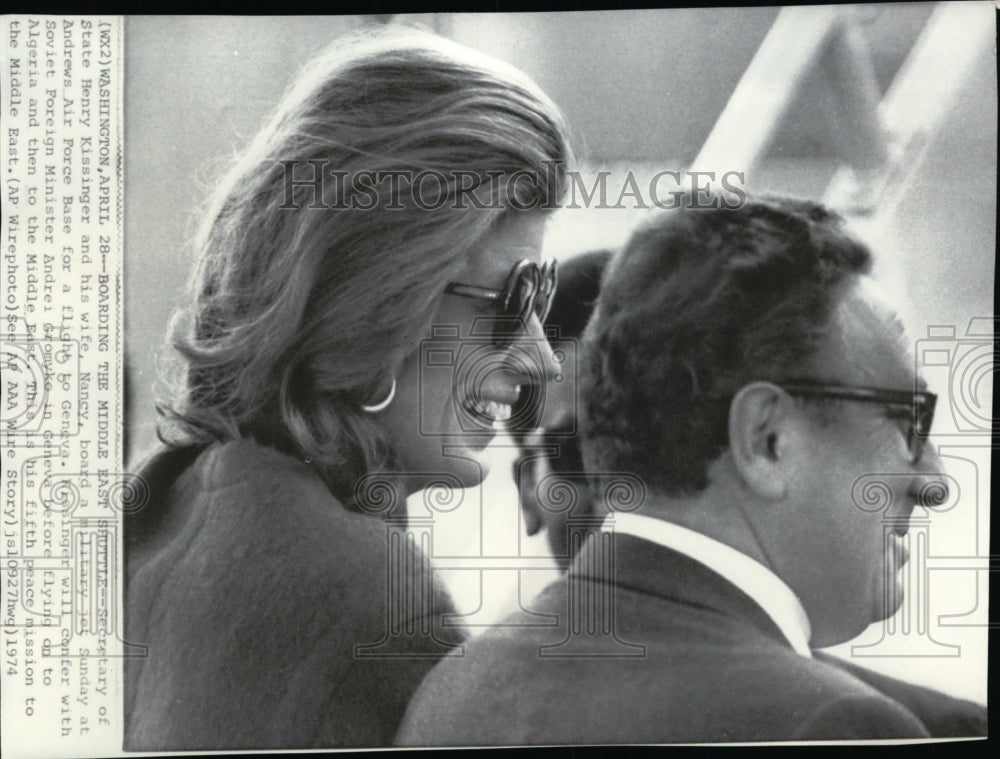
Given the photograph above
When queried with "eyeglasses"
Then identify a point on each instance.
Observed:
(916, 406)
(528, 290)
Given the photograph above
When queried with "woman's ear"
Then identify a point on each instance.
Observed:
(759, 438)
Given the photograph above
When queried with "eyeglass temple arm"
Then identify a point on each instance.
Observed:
(473, 291)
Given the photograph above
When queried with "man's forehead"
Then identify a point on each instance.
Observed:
(868, 341)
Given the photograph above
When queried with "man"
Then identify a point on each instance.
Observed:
(549, 471)
(744, 366)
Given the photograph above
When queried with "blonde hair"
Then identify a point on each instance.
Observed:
(304, 304)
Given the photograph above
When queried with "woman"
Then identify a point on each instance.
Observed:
(366, 308)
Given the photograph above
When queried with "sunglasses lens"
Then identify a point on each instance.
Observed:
(547, 288)
(529, 291)
(518, 299)
(525, 291)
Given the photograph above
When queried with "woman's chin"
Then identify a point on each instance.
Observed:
(464, 453)
(469, 461)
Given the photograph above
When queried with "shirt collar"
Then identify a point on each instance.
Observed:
(753, 578)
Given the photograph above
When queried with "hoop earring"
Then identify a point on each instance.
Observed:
(382, 406)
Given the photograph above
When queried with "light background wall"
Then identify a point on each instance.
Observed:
(641, 89)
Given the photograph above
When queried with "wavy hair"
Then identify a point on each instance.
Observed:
(307, 296)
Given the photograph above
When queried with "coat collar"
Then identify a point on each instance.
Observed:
(632, 563)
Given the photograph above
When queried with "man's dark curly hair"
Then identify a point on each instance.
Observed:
(696, 305)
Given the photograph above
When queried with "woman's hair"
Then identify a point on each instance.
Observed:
(328, 244)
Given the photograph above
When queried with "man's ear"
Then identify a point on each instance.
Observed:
(759, 438)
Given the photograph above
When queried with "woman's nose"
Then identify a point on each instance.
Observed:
(533, 354)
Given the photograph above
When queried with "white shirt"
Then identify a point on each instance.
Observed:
(753, 578)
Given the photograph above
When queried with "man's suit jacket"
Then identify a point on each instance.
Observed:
(685, 657)
(253, 588)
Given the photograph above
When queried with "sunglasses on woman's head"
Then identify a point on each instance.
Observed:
(528, 290)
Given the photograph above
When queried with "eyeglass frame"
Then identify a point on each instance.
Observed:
(920, 404)
(546, 278)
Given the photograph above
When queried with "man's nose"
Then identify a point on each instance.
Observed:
(931, 487)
